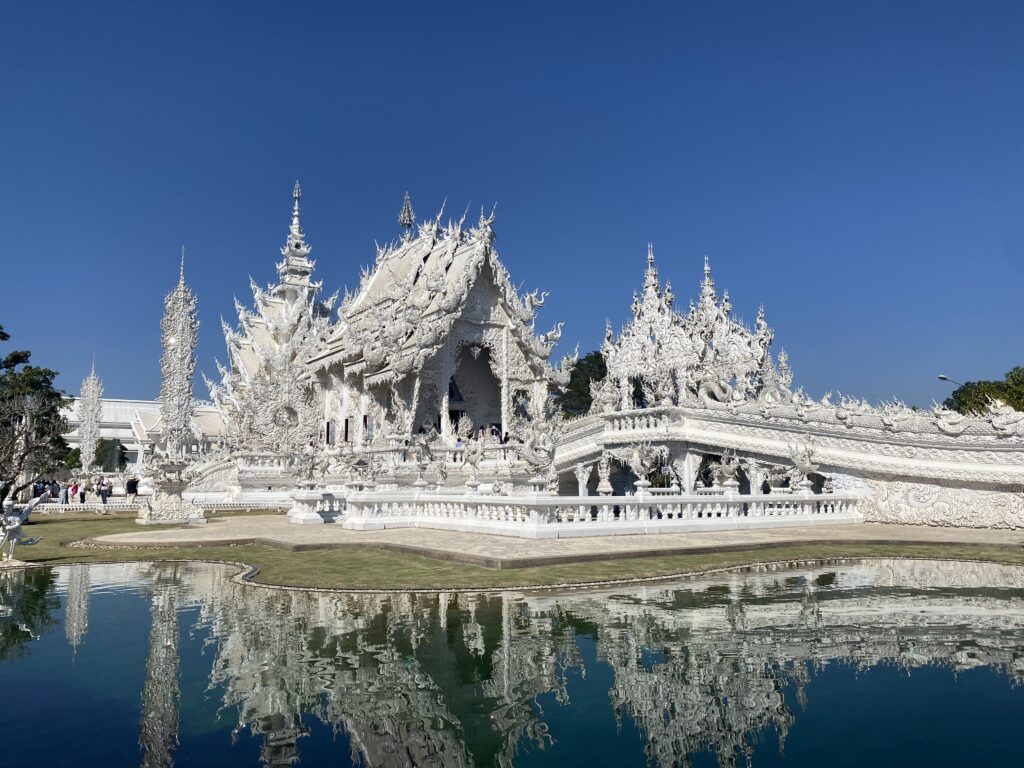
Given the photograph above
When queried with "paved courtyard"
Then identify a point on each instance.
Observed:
(508, 552)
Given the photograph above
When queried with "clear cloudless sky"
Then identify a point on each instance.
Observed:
(856, 167)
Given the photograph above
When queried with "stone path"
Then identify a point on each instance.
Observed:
(508, 552)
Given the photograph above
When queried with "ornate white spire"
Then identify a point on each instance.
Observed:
(296, 228)
(179, 330)
(708, 296)
(295, 269)
(89, 415)
(651, 272)
(295, 246)
(407, 216)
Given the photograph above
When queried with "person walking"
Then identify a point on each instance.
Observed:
(131, 488)
(104, 490)
(74, 491)
(64, 494)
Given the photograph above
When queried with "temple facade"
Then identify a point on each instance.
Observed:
(424, 398)
(435, 335)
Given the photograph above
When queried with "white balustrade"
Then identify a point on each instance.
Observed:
(542, 516)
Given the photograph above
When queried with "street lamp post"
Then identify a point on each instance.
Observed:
(944, 377)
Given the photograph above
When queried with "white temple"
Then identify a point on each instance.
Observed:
(424, 399)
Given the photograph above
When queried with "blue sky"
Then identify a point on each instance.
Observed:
(858, 168)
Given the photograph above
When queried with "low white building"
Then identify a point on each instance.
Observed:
(136, 424)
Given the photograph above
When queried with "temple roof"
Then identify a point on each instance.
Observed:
(704, 350)
(407, 303)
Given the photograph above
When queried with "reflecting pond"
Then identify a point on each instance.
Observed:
(836, 663)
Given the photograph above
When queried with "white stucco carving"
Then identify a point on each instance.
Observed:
(899, 501)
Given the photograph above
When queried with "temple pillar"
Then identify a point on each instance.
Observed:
(345, 414)
(604, 475)
(582, 472)
(756, 473)
(685, 468)
(361, 420)
(504, 394)
(446, 423)
(540, 393)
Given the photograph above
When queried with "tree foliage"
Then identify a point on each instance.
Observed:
(31, 425)
(28, 594)
(974, 396)
(575, 399)
(72, 460)
(111, 455)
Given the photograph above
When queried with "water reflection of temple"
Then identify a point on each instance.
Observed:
(453, 679)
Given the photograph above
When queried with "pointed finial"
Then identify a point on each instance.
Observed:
(707, 266)
(93, 363)
(407, 216)
(650, 254)
(181, 272)
(296, 228)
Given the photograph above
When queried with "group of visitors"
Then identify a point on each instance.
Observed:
(70, 490)
(494, 433)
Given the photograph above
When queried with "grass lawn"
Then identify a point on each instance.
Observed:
(370, 568)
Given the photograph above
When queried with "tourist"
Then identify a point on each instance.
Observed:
(54, 489)
(74, 491)
(64, 494)
(131, 488)
(104, 490)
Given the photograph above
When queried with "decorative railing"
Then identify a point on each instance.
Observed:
(643, 418)
(530, 515)
(209, 505)
(263, 460)
(91, 505)
(501, 452)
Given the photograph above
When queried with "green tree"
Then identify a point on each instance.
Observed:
(31, 425)
(575, 399)
(111, 455)
(974, 396)
(73, 460)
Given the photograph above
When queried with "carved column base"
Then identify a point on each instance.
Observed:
(169, 508)
(303, 511)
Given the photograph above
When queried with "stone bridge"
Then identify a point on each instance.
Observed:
(912, 467)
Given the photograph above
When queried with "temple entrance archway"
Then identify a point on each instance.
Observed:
(474, 390)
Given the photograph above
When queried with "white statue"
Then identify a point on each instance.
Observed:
(803, 465)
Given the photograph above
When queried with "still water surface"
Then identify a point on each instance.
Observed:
(852, 663)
